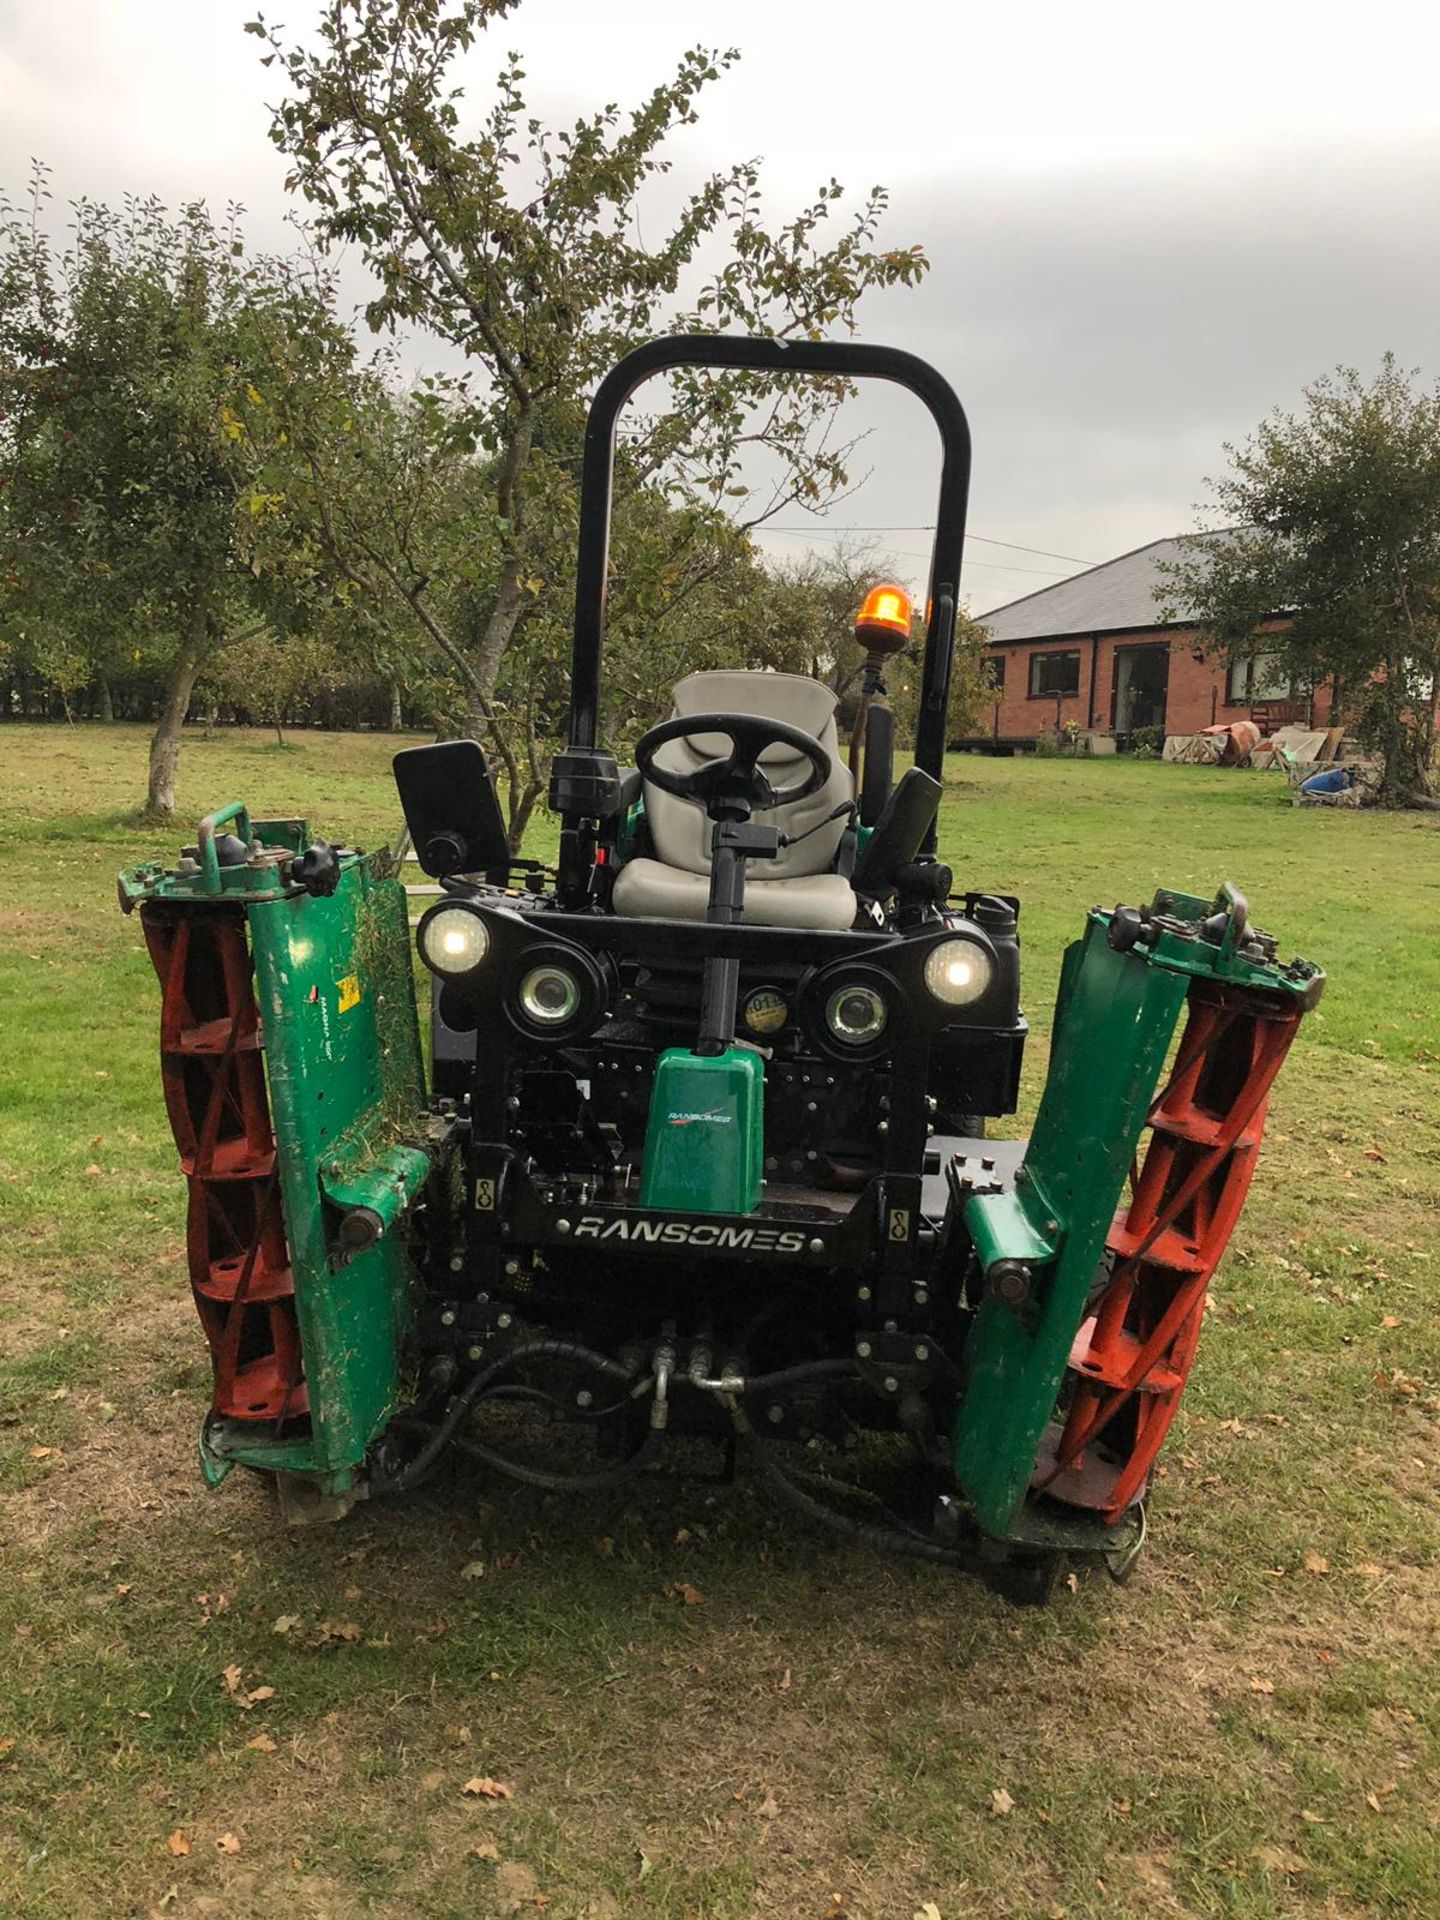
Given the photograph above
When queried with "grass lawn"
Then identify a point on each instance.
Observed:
(1251, 1728)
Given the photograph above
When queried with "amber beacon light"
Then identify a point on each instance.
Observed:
(883, 622)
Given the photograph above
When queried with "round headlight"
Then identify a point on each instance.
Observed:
(958, 972)
(454, 940)
(549, 995)
(856, 1015)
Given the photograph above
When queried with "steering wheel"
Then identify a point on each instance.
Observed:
(735, 777)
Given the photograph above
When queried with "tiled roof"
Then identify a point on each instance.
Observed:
(1119, 594)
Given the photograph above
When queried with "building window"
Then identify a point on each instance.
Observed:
(1253, 681)
(995, 666)
(1054, 673)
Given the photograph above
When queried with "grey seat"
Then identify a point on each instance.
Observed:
(797, 888)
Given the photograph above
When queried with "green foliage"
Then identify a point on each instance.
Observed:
(1146, 743)
(1338, 513)
(127, 364)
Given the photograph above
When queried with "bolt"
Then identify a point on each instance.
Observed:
(513, 1103)
(775, 1414)
(503, 1320)
(817, 1245)
(447, 1318)
(457, 1263)
(922, 1352)
(562, 1226)
(883, 1126)
(512, 1267)
(890, 1383)
(922, 1296)
(863, 1349)
(475, 1353)
(1052, 1226)
(584, 1398)
(862, 1293)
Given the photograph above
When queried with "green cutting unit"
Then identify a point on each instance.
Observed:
(704, 1145)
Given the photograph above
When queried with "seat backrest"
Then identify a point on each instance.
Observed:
(680, 829)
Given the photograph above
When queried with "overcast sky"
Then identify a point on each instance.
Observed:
(1147, 224)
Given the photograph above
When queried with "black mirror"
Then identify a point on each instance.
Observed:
(451, 808)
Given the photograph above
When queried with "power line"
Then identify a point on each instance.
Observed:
(855, 526)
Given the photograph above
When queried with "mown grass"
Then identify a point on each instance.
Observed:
(1249, 1729)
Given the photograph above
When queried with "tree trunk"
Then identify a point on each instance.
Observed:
(166, 739)
(107, 700)
(397, 711)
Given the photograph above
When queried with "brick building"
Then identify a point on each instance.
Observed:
(1094, 650)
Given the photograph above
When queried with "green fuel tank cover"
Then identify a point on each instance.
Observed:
(705, 1142)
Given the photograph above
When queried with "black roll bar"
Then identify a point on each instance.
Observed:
(837, 358)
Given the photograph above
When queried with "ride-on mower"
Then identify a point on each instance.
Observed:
(704, 1150)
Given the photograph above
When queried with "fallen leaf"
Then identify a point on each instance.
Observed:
(286, 1623)
(1390, 1322)
(928, 1912)
(41, 1453)
(231, 1677)
(836, 1908)
(228, 1843)
(1259, 1684)
(352, 1594)
(1315, 1562)
(178, 1843)
(92, 1171)
(1313, 1819)
(769, 1807)
(256, 1695)
(475, 1571)
(484, 1788)
(262, 1743)
(1001, 1802)
(1367, 1570)
(784, 1682)
(645, 1866)
(689, 1596)
(429, 1781)
(486, 1850)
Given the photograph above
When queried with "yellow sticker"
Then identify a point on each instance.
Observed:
(350, 995)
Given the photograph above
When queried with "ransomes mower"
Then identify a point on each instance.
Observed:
(703, 1150)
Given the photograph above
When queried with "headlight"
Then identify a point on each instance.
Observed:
(856, 1015)
(549, 995)
(454, 940)
(958, 972)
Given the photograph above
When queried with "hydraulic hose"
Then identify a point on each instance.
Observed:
(565, 1482)
(415, 1471)
(866, 1533)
